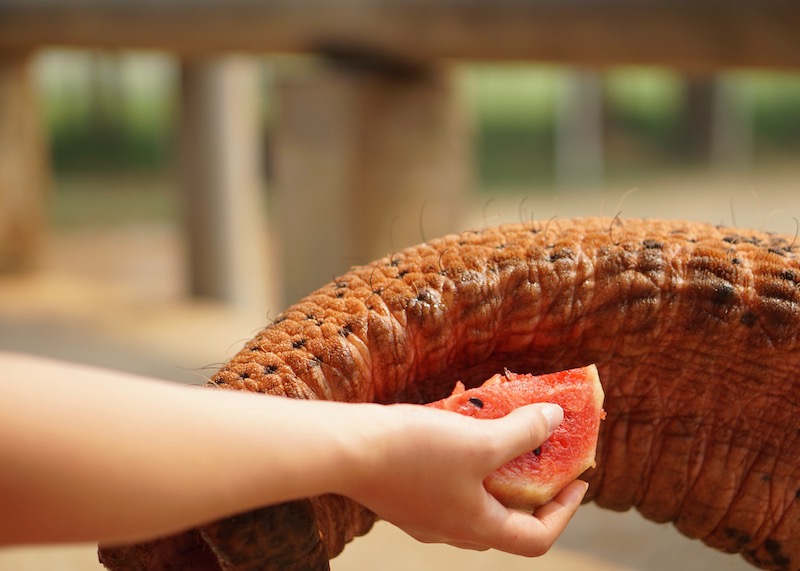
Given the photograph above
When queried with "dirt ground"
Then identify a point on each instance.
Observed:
(112, 297)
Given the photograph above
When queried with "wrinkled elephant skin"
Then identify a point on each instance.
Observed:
(694, 329)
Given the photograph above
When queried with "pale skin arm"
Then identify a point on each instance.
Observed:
(102, 456)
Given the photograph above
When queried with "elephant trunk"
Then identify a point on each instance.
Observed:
(694, 330)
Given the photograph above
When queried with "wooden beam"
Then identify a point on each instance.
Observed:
(684, 33)
(579, 145)
(24, 168)
(731, 136)
(367, 159)
(221, 182)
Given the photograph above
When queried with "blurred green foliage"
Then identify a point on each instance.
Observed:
(118, 112)
(776, 109)
(649, 122)
(108, 112)
(514, 120)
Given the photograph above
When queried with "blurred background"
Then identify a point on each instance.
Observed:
(157, 209)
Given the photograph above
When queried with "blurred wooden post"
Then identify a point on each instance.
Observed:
(221, 182)
(579, 149)
(731, 146)
(24, 173)
(369, 156)
(698, 112)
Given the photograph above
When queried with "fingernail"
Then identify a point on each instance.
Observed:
(554, 415)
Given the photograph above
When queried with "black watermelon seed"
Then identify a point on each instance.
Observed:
(476, 402)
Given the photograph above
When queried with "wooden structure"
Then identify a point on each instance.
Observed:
(378, 127)
(23, 172)
(686, 33)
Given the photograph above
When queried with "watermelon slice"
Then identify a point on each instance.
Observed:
(535, 478)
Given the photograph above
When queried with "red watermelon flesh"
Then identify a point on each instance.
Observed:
(536, 477)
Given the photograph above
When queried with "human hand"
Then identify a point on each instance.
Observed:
(425, 470)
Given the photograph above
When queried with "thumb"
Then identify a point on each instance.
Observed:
(526, 428)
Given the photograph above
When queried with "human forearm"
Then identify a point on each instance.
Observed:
(127, 457)
(90, 455)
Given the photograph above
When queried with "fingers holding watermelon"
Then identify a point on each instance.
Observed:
(552, 518)
(521, 533)
(534, 474)
(425, 471)
(523, 431)
(539, 419)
